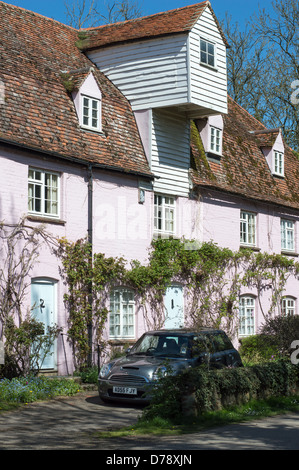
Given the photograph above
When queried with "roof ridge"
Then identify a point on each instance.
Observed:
(247, 112)
(34, 13)
(140, 18)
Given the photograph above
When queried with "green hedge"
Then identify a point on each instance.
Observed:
(198, 390)
(257, 348)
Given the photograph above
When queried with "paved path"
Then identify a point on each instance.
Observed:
(68, 424)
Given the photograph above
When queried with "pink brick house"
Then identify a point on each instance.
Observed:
(95, 139)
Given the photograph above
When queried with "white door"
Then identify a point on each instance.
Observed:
(174, 307)
(43, 301)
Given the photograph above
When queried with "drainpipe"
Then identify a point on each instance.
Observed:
(90, 241)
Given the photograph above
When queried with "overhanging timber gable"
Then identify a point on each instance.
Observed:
(156, 62)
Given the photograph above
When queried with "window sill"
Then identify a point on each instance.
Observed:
(249, 247)
(91, 129)
(45, 219)
(121, 341)
(289, 253)
(244, 335)
(211, 67)
(214, 156)
(164, 235)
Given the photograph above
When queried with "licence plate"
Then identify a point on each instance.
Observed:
(125, 390)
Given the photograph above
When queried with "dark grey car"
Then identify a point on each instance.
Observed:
(162, 352)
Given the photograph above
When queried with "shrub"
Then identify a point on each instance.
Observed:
(282, 331)
(257, 348)
(202, 389)
(88, 375)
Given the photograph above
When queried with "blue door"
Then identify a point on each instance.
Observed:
(43, 302)
(174, 307)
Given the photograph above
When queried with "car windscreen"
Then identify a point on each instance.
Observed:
(170, 345)
(220, 341)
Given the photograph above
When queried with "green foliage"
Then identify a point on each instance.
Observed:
(88, 277)
(26, 346)
(281, 331)
(202, 270)
(88, 375)
(29, 389)
(212, 276)
(220, 388)
(257, 348)
(268, 272)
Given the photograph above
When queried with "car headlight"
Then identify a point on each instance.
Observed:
(104, 371)
(160, 372)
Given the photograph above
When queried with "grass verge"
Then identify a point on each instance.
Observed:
(253, 410)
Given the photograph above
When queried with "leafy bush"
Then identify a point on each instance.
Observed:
(26, 346)
(88, 375)
(282, 331)
(258, 348)
(209, 390)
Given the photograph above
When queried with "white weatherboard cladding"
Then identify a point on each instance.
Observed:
(208, 85)
(166, 71)
(171, 152)
(151, 73)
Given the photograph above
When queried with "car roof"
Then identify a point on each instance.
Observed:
(183, 331)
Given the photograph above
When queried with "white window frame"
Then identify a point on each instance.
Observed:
(247, 307)
(87, 116)
(278, 164)
(208, 53)
(164, 214)
(287, 228)
(122, 314)
(288, 306)
(215, 140)
(37, 191)
(247, 228)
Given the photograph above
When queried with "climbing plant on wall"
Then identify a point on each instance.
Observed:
(212, 276)
(203, 272)
(26, 342)
(88, 277)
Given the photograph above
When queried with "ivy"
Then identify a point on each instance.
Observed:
(213, 279)
(202, 271)
(88, 277)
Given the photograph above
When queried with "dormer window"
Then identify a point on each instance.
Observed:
(91, 113)
(207, 53)
(215, 140)
(278, 163)
(87, 98)
(211, 132)
(272, 146)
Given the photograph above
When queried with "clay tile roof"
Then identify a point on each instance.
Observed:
(176, 21)
(39, 113)
(267, 137)
(76, 77)
(243, 169)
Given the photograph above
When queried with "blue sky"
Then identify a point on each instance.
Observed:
(239, 10)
